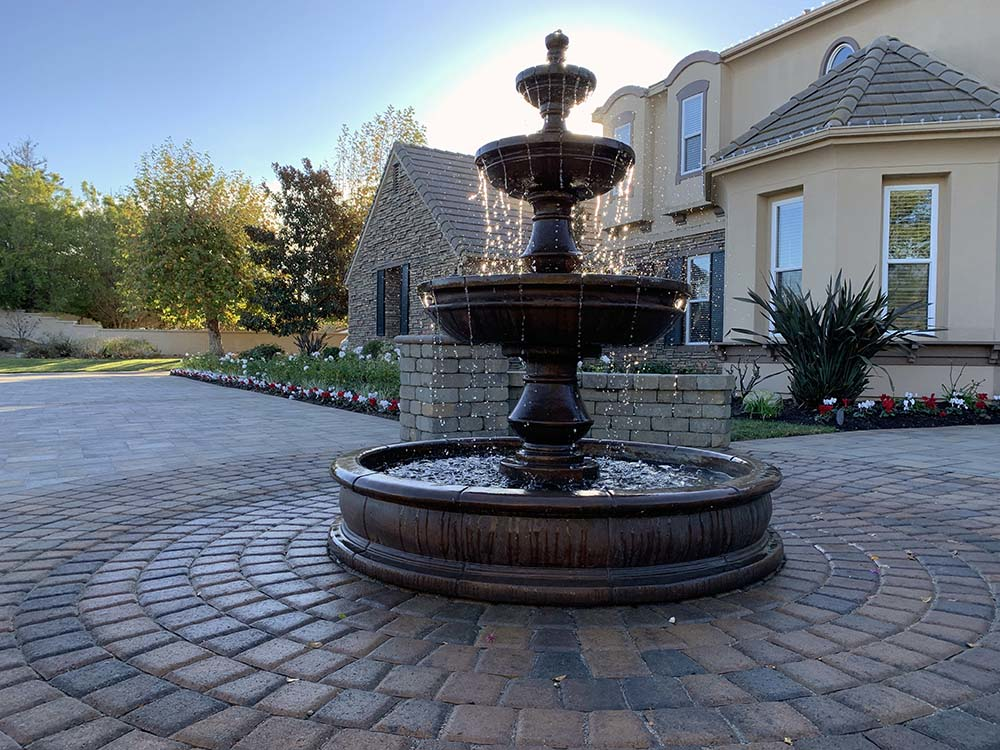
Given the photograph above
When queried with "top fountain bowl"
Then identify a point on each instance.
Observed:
(580, 166)
(567, 311)
(561, 85)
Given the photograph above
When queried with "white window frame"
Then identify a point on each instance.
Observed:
(887, 191)
(684, 169)
(688, 262)
(775, 269)
(833, 55)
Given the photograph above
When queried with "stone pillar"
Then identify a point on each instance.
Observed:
(451, 390)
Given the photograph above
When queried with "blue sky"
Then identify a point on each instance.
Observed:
(98, 83)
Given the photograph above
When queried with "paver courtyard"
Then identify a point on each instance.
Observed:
(164, 583)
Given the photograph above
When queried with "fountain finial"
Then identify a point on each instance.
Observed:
(556, 43)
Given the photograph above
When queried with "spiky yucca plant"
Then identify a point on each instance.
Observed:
(828, 349)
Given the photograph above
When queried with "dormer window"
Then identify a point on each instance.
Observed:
(838, 55)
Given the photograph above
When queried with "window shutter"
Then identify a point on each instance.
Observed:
(404, 299)
(380, 302)
(675, 271)
(717, 295)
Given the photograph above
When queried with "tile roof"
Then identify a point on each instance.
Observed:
(448, 183)
(887, 82)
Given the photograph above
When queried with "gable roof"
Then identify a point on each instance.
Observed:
(887, 82)
(448, 183)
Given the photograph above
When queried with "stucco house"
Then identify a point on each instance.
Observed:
(862, 135)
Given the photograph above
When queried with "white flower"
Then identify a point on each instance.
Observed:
(866, 405)
(830, 401)
(358, 349)
(606, 359)
(387, 356)
(342, 354)
(958, 402)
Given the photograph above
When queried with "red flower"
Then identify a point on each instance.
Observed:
(980, 403)
(845, 401)
(394, 405)
(825, 408)
(373, 402)
(340, 394)
(930, 402)
(354, 397)
(942, 413)
(888, 404)
(324, 394)
(982, 396)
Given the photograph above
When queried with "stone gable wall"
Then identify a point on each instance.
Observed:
(400, 229)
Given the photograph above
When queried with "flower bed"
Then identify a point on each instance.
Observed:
(350, 380)
(962, 407)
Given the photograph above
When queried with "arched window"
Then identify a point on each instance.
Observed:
(838, 55)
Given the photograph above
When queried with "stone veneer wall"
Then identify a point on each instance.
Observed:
(451, 390)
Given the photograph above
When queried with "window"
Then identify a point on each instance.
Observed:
(786, 243)
(838, 56)
(623, 133)
(699, 309)
(909, 253)
(692, 109)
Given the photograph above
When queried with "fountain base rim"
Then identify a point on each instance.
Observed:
(558, 586)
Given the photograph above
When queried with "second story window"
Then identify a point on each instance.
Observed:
(692, 118)
(623, 133)
(838, 56)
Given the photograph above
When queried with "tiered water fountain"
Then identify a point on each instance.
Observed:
(551, 517)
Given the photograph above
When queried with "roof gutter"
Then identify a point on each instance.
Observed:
(801, 21)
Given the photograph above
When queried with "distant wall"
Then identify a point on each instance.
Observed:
(169, 342)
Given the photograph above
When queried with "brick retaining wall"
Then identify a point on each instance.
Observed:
(452, 390)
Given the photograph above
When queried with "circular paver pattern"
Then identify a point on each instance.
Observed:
(199, 608)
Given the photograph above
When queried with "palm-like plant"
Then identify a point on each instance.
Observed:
(828, 349)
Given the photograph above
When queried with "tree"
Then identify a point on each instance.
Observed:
(361, 154)
(305, 259)
(188, 256)
(23, 154)
(38, 257)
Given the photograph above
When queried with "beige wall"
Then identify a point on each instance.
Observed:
(841, 183)
(762, 75)
(174, 343)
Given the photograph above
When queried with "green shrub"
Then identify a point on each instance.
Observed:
(330, 351)
(122, 348)
(828, 349)
(377, 347)
(55, 347)
(762, 404)
(261, 351)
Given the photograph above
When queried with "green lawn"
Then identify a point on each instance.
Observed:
(10, 365)
(758, 429)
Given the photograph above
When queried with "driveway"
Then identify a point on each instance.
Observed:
(164, 584)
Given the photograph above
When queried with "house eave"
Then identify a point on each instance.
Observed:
(791, 26)
(856, 134)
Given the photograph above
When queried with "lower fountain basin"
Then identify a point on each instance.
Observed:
(578, 547)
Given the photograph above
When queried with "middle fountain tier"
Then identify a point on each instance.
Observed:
(550, 315)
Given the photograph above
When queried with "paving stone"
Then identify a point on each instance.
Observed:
(139, 740)
(671, 663)
(691, 726)
(769, 721)
(987, 707)
(818, 676)
(933, 688)
(472, 687)
(886, 704)
(530, 692)
(485, 724)
(88, 736)
(26, 695)
(122, 697)
(222, 730)
(617, 729)
(248, 690)
(358, 709)
(285, 732)
(833, 717)
(359, 739)
(173, 712)
(767, 684)
(591, 695)
(298, 699)
(550, 727)
(643, 693)
(714, 690)
(208, 673)
(959, 729)
(46, 719)
(363, 674)
(901, 738)
(93, 677)
(167, 658)
(414, 718)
